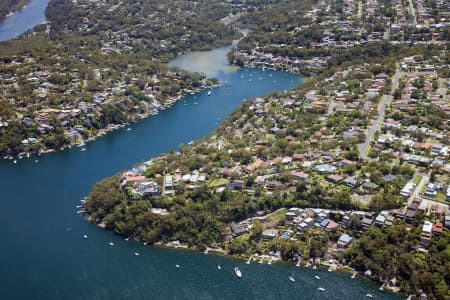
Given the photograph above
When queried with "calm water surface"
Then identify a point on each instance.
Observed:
(43, 254)
(21, 21)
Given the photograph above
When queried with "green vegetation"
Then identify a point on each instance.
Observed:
(9, 6)
(388, 252)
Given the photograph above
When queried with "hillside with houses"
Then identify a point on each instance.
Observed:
(348, 172)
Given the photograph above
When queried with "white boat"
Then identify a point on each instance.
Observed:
(178, 266)
(83, 149)
(291, 278)
(15, 161)
(219, 267)
(317, 277)
(111, 243)
(209, 93)
(314, 267)
(353, 275)
(85, 236)
(36, 161)
(237, 272)
(129, 129)
(136, 253)
(369, 296)
(321, 289)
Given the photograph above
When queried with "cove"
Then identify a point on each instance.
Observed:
(28, 17)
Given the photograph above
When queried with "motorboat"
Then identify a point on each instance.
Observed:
(238, 272)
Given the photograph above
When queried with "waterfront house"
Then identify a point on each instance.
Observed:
(237, 229)
(269, 234)
(344, 241)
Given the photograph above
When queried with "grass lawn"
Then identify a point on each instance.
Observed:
(417, 179)
(274, 219)
(217, 182)
(440, 197)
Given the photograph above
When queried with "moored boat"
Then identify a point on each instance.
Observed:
(291, 278)
(238, 272)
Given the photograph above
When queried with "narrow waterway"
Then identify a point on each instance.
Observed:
(23, 20)
(43, 254)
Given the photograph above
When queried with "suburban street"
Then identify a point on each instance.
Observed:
(384, 102)
(419, 187)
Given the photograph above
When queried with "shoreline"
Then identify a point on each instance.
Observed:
(15, 9)
(112, 127)
(260, 259)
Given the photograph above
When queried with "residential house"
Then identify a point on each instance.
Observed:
(367, 222)
(237, 185)
(334, 178)
(270, 234)
(344, 241)
(426, 233)
(237, 229)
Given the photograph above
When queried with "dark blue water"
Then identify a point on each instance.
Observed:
(21, 21)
